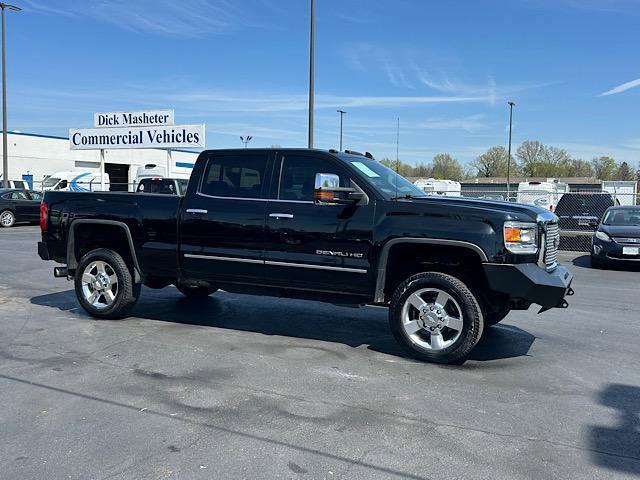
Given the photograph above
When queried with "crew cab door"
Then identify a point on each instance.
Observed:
(314, 246)
(223, 219)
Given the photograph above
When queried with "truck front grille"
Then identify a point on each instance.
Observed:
(552, 240)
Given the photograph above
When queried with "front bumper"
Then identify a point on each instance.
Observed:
(612, 251)
(529, 282)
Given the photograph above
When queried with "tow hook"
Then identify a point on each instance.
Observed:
(563, 304)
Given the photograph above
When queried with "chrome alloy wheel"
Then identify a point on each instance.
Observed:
(6, 219)
(99, 284)
(432, 319)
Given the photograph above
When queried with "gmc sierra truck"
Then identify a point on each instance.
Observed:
(336, 227)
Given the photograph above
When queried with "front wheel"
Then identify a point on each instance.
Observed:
(436, 318)
(104, 284)
(7, 219)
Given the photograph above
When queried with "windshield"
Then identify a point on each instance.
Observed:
(385, 180)
(50, 182)
(623, 217)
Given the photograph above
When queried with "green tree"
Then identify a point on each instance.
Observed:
(492, 163)
(604, 167)
(578, 168)
(402, 168)
(446, 167)
(530, 154)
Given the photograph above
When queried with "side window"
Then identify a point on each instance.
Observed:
(19, 196)
(240, 176)
(36, 196)
(298, 177)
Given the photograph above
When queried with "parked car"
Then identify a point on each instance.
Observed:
(324, 225)
(617, 238)
(18, 205)
(166, 186)
(579, 215)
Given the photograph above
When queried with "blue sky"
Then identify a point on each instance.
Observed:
(446, 68)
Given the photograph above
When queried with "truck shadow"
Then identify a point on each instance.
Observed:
(617, 447)
(354, 327)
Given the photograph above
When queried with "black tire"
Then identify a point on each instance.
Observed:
(472, 318)
(493, 318)
(127, 292)
(196, 291)
(8, 219)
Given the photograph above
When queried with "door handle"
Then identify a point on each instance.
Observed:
(197, 211)
(280, 215)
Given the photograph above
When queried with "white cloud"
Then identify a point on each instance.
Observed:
(184, 18)
(622, 88)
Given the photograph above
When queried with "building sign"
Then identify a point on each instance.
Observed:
(148, 118)
(176, 136)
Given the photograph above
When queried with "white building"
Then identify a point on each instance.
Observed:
(33, 157)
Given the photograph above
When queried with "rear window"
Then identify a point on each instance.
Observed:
(235, 176)
(584, 203)
(151, 185)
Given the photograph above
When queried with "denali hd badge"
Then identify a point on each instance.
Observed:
(332, 253)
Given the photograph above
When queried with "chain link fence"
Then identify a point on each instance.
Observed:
(579, 213)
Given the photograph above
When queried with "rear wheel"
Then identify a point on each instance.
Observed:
(7, 219)
(196, 291)
(436, 318)
(104, 284)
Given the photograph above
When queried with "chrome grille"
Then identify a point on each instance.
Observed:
(552, 241)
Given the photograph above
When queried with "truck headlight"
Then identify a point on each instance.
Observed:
(602, 236)
(520, 237)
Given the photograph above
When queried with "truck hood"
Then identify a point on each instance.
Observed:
(510, 210)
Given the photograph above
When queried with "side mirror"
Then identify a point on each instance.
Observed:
(328, 191)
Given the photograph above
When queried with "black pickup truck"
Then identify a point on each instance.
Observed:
(337, 227)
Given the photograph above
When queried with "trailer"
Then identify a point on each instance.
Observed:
(432, 186)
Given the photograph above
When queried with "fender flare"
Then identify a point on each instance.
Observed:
(384, 257)
(72, 262)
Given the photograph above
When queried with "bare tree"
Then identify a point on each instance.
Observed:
(531, 154)
(492, 163)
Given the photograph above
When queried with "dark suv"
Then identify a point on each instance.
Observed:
(579, 215)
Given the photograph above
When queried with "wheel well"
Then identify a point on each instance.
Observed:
(408, 259)
(89, 236)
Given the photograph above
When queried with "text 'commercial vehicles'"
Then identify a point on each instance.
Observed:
(329, 226)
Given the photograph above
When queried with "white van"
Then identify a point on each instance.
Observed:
(76, 181)
(541, 194)
(447, 188)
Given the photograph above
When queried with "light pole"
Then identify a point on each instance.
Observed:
(511, 104)
(5, 157)
(341, 112)
(246, 140)
(311, 41)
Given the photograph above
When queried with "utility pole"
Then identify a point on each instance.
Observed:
(311, 41)
(246, 140)
(5, 156)
(341, 112)
(511, 104)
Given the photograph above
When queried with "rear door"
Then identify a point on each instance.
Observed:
(223, 222)
(23, 206)
(319, 247)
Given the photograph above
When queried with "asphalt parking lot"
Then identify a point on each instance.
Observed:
(251, 387)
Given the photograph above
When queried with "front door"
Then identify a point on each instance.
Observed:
(223, 222)
(313, 246)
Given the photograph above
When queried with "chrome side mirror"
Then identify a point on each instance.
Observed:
(327, 181)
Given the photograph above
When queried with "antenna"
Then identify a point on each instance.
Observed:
(397, 155)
